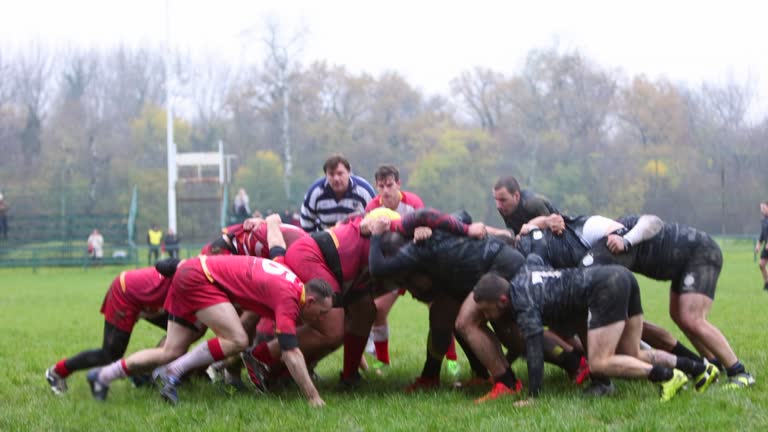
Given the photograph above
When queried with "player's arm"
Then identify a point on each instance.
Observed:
(379, 265)
(431, 218)
(290, 354)
(553, 222)
(646, 228)
(275, 239)
(294, 361)
(308, 216)
(534, 345)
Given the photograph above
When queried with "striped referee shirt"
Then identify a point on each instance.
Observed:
(322, 210)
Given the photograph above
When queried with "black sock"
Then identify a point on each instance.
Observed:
(690, 367)
(736, 369)
(508, 378)
(431, 367)
(568, 360)
(681, 350)
(659, 374)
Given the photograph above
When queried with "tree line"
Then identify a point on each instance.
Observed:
(79, 127)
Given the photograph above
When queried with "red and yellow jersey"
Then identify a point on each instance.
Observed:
(258, 285)
(409, 202)
(250, 243)
(144, 289)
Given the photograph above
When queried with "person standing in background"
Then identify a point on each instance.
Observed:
(3, 217)
(154, 240)
(171, 243)
(761, 246)
(96, 245)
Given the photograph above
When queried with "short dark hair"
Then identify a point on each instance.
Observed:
(509, 183)
(334, 161)
(490, 287)
(385, 171)
(320, 288)
(391, 242)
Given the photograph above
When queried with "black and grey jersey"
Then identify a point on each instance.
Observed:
(454, 262)
(542, 296)
(666, 255)
(531, 206)
(764, 230)
(559, 251)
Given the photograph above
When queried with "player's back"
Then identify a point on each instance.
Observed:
(254, 283)
(666, 255)
(144, 287)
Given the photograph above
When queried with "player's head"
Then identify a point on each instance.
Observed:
(388, 185)
(318, 300)
(491, 293)
(217, 247)
(337, 171)
(506, 193)
(764, 208)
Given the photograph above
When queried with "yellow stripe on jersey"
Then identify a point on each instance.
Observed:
(122, 280)
(208, 275)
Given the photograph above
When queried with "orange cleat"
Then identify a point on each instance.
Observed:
(499, 390)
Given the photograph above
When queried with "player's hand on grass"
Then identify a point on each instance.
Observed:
(251, 224)
(421, 233)
(477, 230)
(316, 402)
(523, 403)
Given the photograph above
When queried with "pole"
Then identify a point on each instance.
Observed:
(171, 146)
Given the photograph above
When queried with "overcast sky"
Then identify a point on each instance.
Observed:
(429, 42)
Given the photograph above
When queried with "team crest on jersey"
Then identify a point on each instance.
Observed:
(537, 235)
(588, 260)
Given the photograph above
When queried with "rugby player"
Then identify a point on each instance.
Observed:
(520, 207)
(691, 260)
(205, 289)
(340, 257)
(452, 265)
(761, 247)
(133, 294)
(605, 299)
(392, 197)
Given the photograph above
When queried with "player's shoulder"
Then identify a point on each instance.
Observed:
(362, 186)
(373, 204)
(412, 199)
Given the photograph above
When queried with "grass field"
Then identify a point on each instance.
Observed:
(52, 313)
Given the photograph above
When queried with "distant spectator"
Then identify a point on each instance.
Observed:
(256, 214)
(171, 244)
(289, 216)
(241, 204)
(3, 217)
(334, 197)
(96, 245)
(761, 247)
(154, 240)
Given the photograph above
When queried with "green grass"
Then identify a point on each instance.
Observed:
(53, 313)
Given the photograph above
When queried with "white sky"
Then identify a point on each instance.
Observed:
(429, 42)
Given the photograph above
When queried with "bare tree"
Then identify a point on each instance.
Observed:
(482, 92)
(33, 85)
